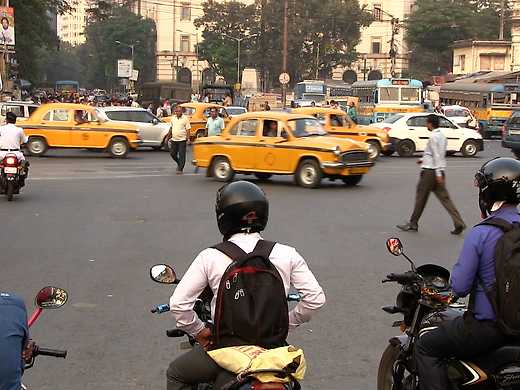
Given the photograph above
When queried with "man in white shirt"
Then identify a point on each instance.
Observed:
(433, 179)
(242, 212)
(178, 137)
(12, 138)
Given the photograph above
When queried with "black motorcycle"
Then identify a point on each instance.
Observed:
(11, 176)
(425, 301)
(163, 273)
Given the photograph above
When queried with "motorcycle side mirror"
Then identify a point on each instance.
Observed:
(394, 246)
(51, 297)
(163, 273)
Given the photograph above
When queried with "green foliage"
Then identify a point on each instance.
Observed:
(322, 35)
(436, 24)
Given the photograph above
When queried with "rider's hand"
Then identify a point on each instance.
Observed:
(204, 338)
(28, 351)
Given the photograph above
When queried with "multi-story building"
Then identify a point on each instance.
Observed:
(71, 26)
(374, 60)
(471, 56)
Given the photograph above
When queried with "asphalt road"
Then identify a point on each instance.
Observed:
(94, 226)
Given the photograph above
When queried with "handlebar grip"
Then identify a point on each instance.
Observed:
(175, 333)
(51, 352)
(159, 309)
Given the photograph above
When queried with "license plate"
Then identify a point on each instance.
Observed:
(11, 170)
(356, 171)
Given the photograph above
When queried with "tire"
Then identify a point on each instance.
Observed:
(308, 174)
(450, 153)
(352, 180)
(387, 153)
(386, 366)
(10, 190)
(221, 169)
(374, 149)
(37, 146)
(118, 147)
(406, 148)
(263, 176)
(469, 148)
(516, 153)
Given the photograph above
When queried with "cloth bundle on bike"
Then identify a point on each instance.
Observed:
(280, 365)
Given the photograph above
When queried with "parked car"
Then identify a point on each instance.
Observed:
(461, 116)
(22, 109)
(267, 143)
(151, 129)
(235, 110)
(408, 134)
(338, 124)
(511, 133)
(67, 125)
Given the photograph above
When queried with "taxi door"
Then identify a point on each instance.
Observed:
(55, 126)
(343, 126)
(87, 130)
(241, 144)
(272, 156)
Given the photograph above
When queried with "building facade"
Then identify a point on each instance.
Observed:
(374, 49)
(476, 56)
(515, 35)
(71, 26)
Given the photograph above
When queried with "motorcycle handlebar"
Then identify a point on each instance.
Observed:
(404, 278)
(49, 352)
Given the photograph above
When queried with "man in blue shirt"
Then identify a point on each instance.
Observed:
(14, 335)
(476, 333)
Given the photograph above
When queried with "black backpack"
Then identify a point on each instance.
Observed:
(251, 307)
(504, 294)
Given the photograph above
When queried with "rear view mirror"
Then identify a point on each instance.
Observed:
(163, 273)
(51, 297)
(155, 121)
(394, 246)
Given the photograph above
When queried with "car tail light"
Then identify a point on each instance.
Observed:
(11, 161)
(387, 129)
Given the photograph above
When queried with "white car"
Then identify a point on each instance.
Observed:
(151, 129)
(461, 116)
(22, 109)
(408, 134)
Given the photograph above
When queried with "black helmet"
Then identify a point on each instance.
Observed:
(241, 206)
(498, 180)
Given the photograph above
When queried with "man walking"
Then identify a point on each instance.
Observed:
(178, 137)
(214, 124)
(433, 179)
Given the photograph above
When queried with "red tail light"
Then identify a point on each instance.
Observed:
(387, 129)
(11, 161)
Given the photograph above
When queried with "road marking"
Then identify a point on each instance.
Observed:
(104, 177)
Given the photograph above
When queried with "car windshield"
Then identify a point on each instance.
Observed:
(306, 127)
(235, 110)
(392, 119)
(456, 112)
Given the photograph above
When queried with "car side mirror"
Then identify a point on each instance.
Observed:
(164, 274)
(51, 297)
(155, 121)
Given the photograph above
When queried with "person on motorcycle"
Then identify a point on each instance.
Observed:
(12, 138)
(234, 204)
(476, 333)
(15, 347)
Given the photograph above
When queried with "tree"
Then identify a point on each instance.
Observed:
(436, 24)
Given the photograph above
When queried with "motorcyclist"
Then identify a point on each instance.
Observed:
(476, 333)
(12, 138)
(235, 203)
(15, 346)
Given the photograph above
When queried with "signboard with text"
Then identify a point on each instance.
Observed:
(7, 36)
(124, 68)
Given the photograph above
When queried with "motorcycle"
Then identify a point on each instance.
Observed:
(165, 274)
(47, 298)
(425, 300)
(11, 172)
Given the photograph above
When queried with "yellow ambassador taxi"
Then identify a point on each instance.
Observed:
(68, 125)
(198, 114)
(267, 143)
(338, 124)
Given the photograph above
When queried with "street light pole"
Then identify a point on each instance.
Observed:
(393, 50)
(239, 41)
(285, 48)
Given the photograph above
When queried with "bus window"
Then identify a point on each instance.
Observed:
(389, 94)
(410, 95)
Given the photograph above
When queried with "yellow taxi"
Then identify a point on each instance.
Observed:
(267, 143)
(338, 124)
(68, 125)
(198, 114)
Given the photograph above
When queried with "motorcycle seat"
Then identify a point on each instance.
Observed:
(500, 357)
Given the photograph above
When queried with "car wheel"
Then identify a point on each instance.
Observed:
(352, 180)
(406, 148)
(263, 176)
(221, 169)
(374, 149)
(308, 174)
(118, 147)
(36, 146)
(516, 153)
(469, 148)
(387, 153)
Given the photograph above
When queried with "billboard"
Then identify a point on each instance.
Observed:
(7, 28)
(124, 68)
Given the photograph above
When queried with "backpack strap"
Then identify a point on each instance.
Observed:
(231, 250)
(499, 223)
(264, 248)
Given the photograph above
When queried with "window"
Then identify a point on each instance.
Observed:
(500, 63)
(18, 110)
(272, 128)
(485, 62)
(118, 115)
(417, 121)
(389, 94)
(376, 46)
(58, 115)
(245, 128)
(185, 11)
(141, 116)
(410, 95)
(443, 122)
(378, 12)
(462, 62)
(336, 120)
(32, 109)
(185, 43)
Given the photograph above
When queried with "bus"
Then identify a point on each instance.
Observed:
(379, 99)
(67, 86)
(310, 91)
(491, 103)
(157, 92)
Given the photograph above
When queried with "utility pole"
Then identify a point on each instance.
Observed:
(502, 20)
(285, 48)
(139, 7)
